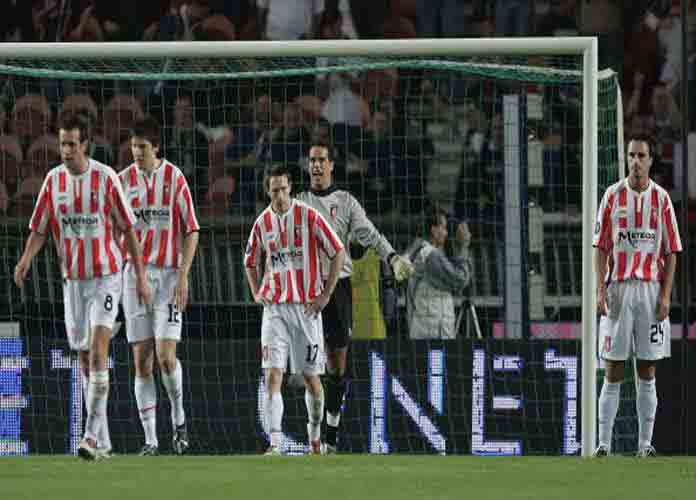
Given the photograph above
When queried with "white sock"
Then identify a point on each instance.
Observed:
(315, 414)
(646, 406)
(103, 436)
(608, 406)
(275, 417)
(333, 420)
(173, 384)
(146, 398)
(97, 399)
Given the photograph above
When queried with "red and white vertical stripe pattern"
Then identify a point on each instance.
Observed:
(82, 213)
(638, 230)
(292, 244)
(164, 209)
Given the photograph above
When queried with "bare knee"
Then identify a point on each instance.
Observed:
(167, 364)
(614, 371)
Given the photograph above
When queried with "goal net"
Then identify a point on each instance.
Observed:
(496, 140)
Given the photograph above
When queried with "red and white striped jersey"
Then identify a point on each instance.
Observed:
(292, 243)
(638, 229)
(82, 213)
(162, 203)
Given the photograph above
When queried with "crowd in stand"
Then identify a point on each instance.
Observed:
(223, 148)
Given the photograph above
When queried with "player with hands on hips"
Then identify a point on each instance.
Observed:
(294, 238)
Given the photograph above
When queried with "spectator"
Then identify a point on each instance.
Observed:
(603, 19)
(444, 18)
(289, 19)
(436, 279)
(513, 17)
(17, 23)
(187, 146)
(560, 20)
(4, 199)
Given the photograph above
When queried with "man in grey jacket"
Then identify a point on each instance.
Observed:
(437, 279)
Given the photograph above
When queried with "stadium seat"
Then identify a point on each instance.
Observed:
(11, 158)
(31, 116)
(4, 199)
(43, 155)
(310, 106)
(216, 155)
(125, 156)
(25, 199)
(219, 196)
(81, 103)
(119, 116)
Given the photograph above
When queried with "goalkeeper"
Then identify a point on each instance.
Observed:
(347, 218)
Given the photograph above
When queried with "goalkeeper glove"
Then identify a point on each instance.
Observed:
(402, 267)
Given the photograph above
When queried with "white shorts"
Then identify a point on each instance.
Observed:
(161, 320)
(631, 327)
(287, 333)
(90, 303)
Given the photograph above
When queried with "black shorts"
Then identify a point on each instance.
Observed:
(337, 316)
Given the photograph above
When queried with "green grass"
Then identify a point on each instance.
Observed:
(347, 477)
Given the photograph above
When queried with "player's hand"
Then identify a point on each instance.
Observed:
(602, 307)
(260, 299)
(144, 291)
(463, 235)
(402, 267)
(314, 307)
(20, 272)
(663, 304)
(181, 291)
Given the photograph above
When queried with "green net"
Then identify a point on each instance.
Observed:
(496, 141)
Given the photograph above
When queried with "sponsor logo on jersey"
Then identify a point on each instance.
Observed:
(281, 258)
(78, 222)
(634, 238)
(150, 215)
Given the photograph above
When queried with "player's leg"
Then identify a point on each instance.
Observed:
(275, 344)
(140, 332)
(168, 321)
(615, 342)
(308, 358)
(653, 341)
(171, 372)
(338, 321)
(646, 407)
(144, 385)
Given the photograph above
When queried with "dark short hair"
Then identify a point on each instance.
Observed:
(76, 121)
(149, 129)
(322, 144)
(279, 170)
(646, 139)
(432, 219)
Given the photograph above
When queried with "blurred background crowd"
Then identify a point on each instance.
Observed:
(220, 137)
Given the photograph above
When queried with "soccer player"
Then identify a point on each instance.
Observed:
(82, 204)
(168, 230)
(637, 233)
(347, 218)
(292, 236)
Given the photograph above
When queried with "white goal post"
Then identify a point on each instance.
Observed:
(587, 47)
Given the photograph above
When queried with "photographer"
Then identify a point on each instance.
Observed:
(437, 278)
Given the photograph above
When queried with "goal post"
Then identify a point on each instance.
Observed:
(161, 61)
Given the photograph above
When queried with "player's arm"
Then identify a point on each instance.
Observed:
(38, 225)
(122, 214)
(190, 223)
(133, 245)
(251, 259)
(329, 241)
(664, 299)
(601, 261)
(35, 242)
(367, 235)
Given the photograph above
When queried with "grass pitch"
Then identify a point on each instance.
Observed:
(358, 477)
